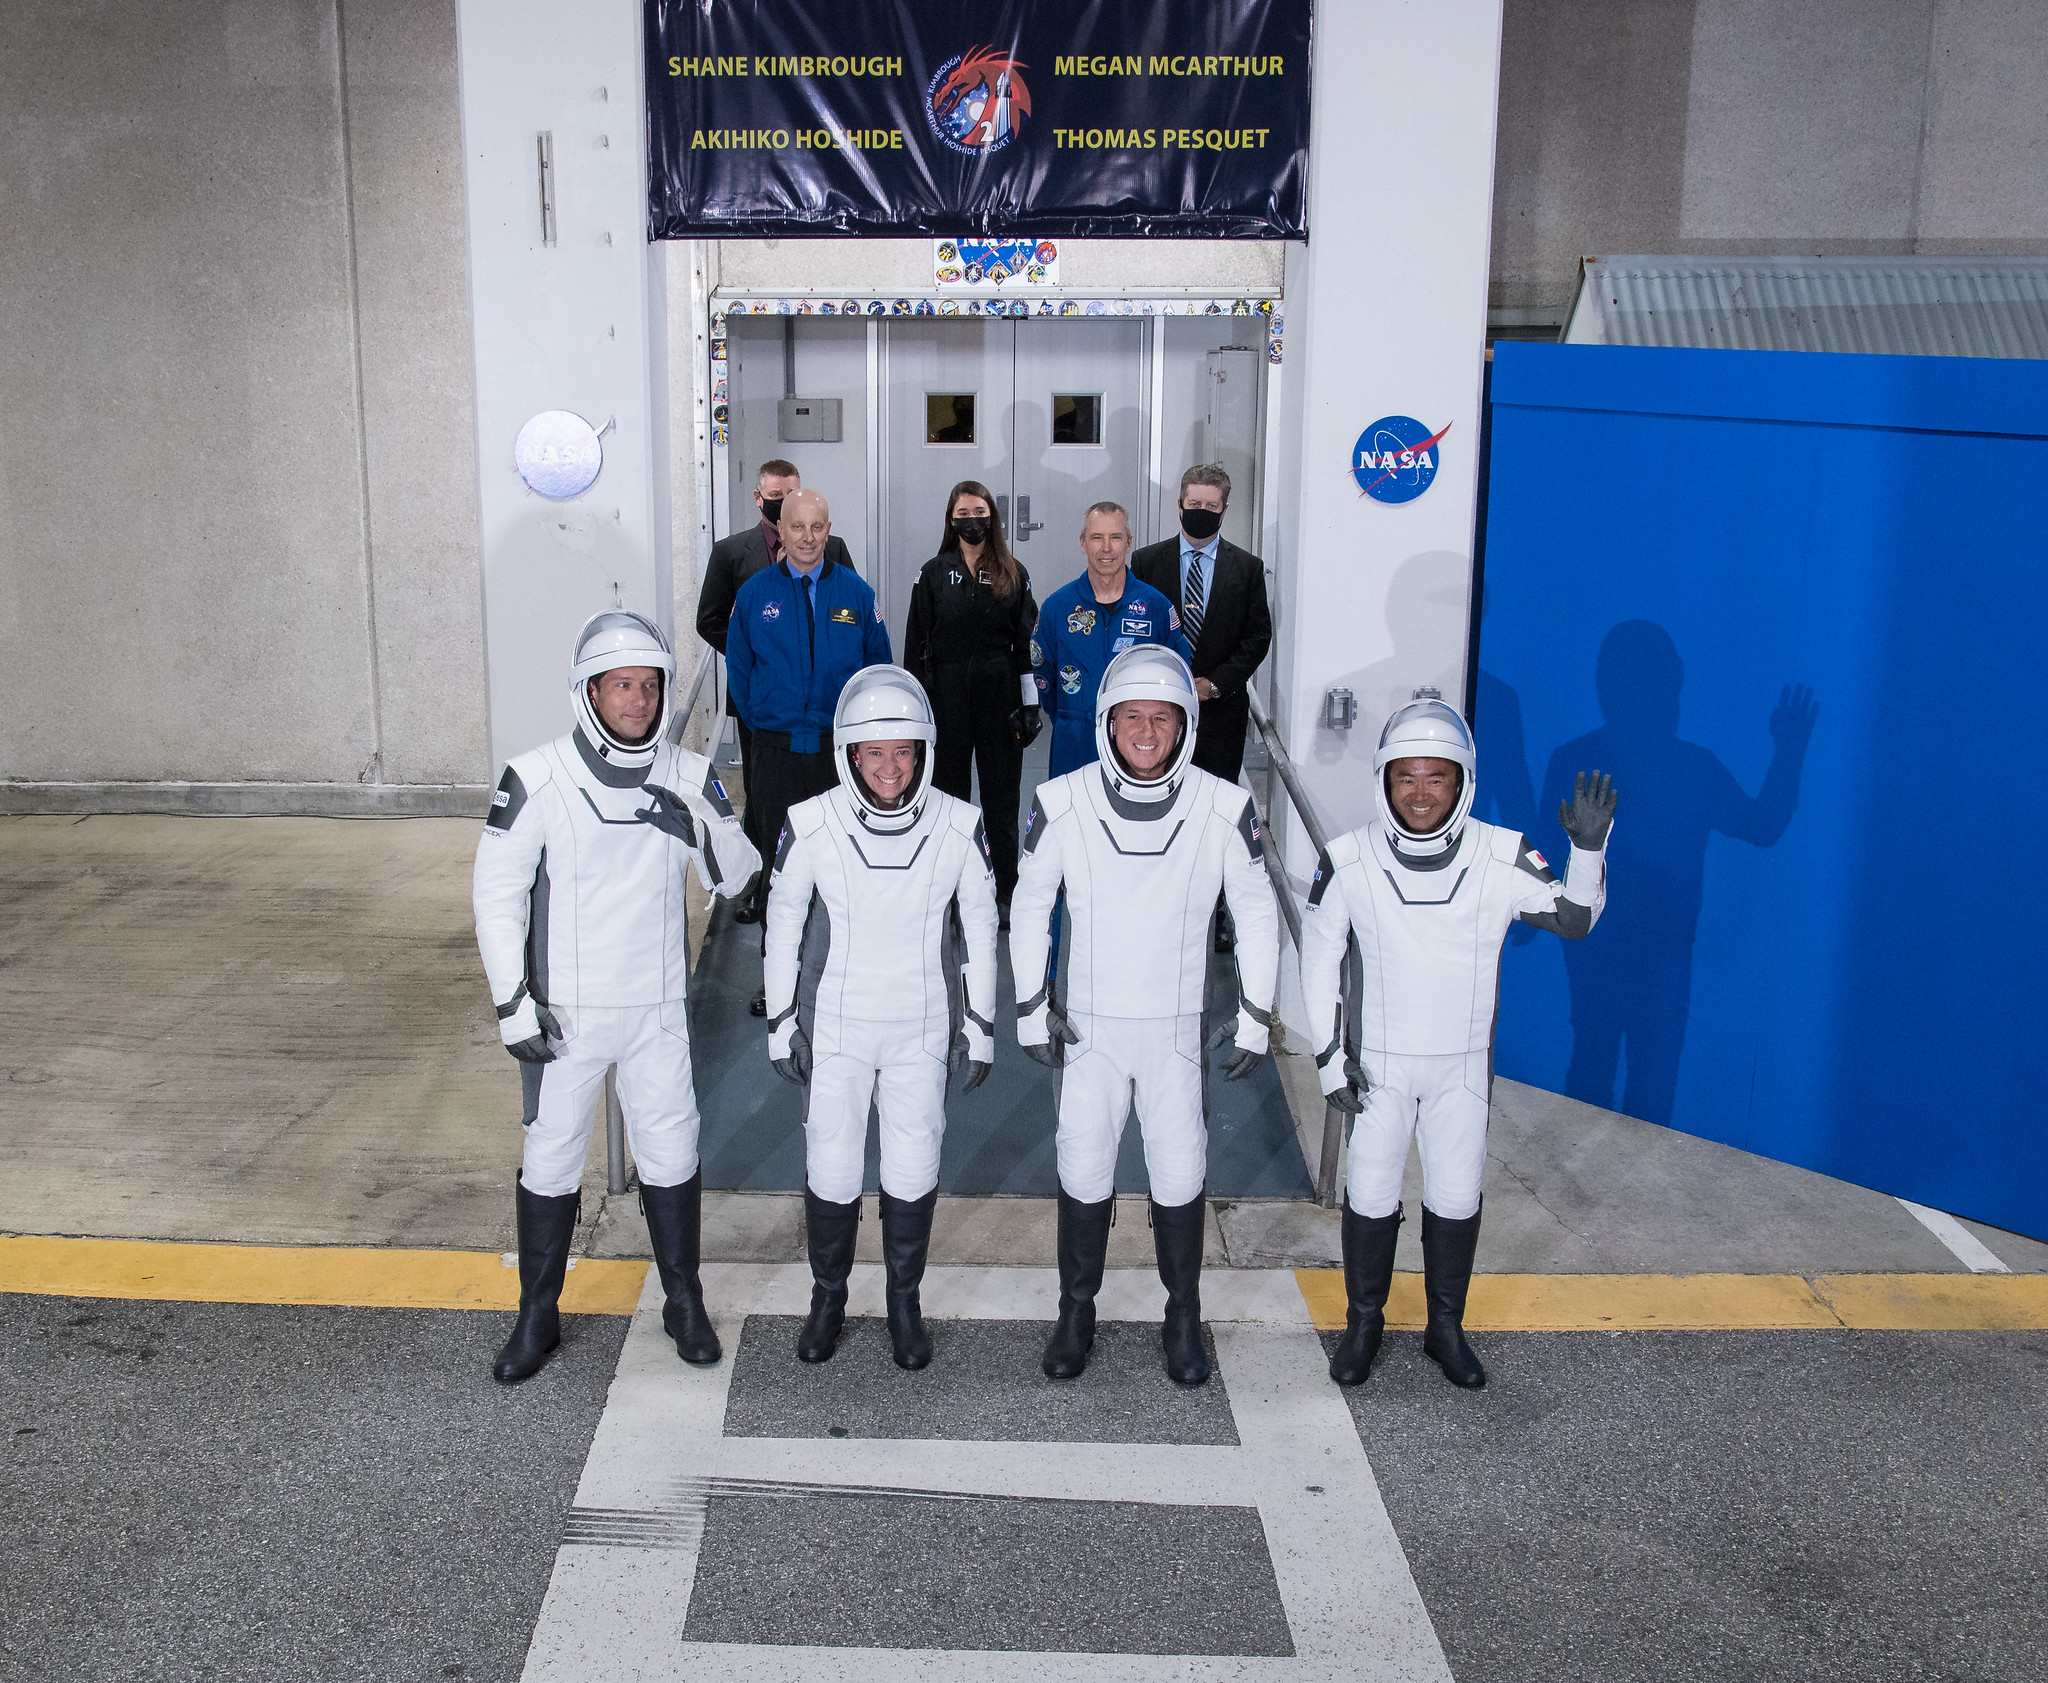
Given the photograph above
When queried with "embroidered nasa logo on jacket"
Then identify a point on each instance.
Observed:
(771, 610)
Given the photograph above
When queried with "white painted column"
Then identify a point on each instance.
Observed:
(577, 325)
(1386, 315)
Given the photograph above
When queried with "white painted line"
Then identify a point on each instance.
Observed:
(1969, 1250)
(615, 1613)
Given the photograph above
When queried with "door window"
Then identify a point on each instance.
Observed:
(1077, 417)
(949, 417)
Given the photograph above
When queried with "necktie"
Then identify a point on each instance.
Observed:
(1191, 608)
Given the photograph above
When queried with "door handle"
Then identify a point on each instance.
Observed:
(1025, 524)
(1003, 511)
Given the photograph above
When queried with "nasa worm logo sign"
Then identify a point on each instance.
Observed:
(1395, 459)
(977, 102)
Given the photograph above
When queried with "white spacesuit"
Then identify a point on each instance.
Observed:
(1430, 912)
(1142, 859)
(579, 897)
(888, 875)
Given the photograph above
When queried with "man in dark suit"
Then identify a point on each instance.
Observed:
(734, 560)
(1220, 591)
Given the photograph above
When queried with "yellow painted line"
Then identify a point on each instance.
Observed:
(361, 1279)
(1964, 1302)
(1710, 1302)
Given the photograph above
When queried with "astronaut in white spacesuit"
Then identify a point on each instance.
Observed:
(889, 858)
(580, 919)
(1430, 893)
(1143, 841)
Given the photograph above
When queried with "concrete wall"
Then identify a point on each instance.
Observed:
(237, 501)
(1753, 127)
(238, 490)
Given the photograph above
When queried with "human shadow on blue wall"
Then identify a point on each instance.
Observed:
(1631, 983)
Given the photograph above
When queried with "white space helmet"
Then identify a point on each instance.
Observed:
(613, 638)
(884, 704)
(1427, 728)
(1149, 672)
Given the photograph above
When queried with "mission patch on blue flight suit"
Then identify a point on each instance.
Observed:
(1070, 679)
(1082, 622)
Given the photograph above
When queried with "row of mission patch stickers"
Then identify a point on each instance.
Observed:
(998, 307)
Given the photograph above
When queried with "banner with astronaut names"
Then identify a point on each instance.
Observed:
(980, 119)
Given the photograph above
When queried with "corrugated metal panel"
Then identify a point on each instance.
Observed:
(1895, 306)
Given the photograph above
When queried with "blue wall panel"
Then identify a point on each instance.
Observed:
(1822, 945)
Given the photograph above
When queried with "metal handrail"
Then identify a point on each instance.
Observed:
(1336, 1123)
(614, 1115)
(681, 721)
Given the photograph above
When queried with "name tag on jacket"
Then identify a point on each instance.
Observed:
(845, 616)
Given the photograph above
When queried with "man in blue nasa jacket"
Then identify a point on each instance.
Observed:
(799, 630)
(1085, 625)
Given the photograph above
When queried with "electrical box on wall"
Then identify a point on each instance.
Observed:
(808, 420)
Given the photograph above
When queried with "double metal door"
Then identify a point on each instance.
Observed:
(1050, 413)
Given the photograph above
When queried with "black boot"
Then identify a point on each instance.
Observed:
(830, 1230)
(674, 1221)
(906, 1236)
(1368, 1277)
(1083, 1249)
(1447, 1251)
(1177, 1238)
(547, 1227)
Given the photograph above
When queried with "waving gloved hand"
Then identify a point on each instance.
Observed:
(1589, 814)
(789, 1049)
(1345, 1084)
(1027, 722)
(974, 1052)
(1044, 1033)
(669, 815)
(526, 1026)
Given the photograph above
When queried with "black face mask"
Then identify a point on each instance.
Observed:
(771, 510)
(971, 528)
(1201, 524)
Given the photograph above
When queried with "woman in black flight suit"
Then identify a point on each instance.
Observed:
(969, 643)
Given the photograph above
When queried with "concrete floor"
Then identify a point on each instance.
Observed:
(277, 1031)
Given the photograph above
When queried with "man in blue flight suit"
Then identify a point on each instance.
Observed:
(1085, 625)
(1082, 627)
(799, 630)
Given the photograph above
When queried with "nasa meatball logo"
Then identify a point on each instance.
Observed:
(1395, 459)
(771, 610)
(977, 102)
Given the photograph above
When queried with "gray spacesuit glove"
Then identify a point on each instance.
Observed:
(1589, 814)
(525, 1029)
(974, 1052)
(1352, 1084)
(669, 815)
(1247, 1058)
(789, 1050)
(1045, 1034)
